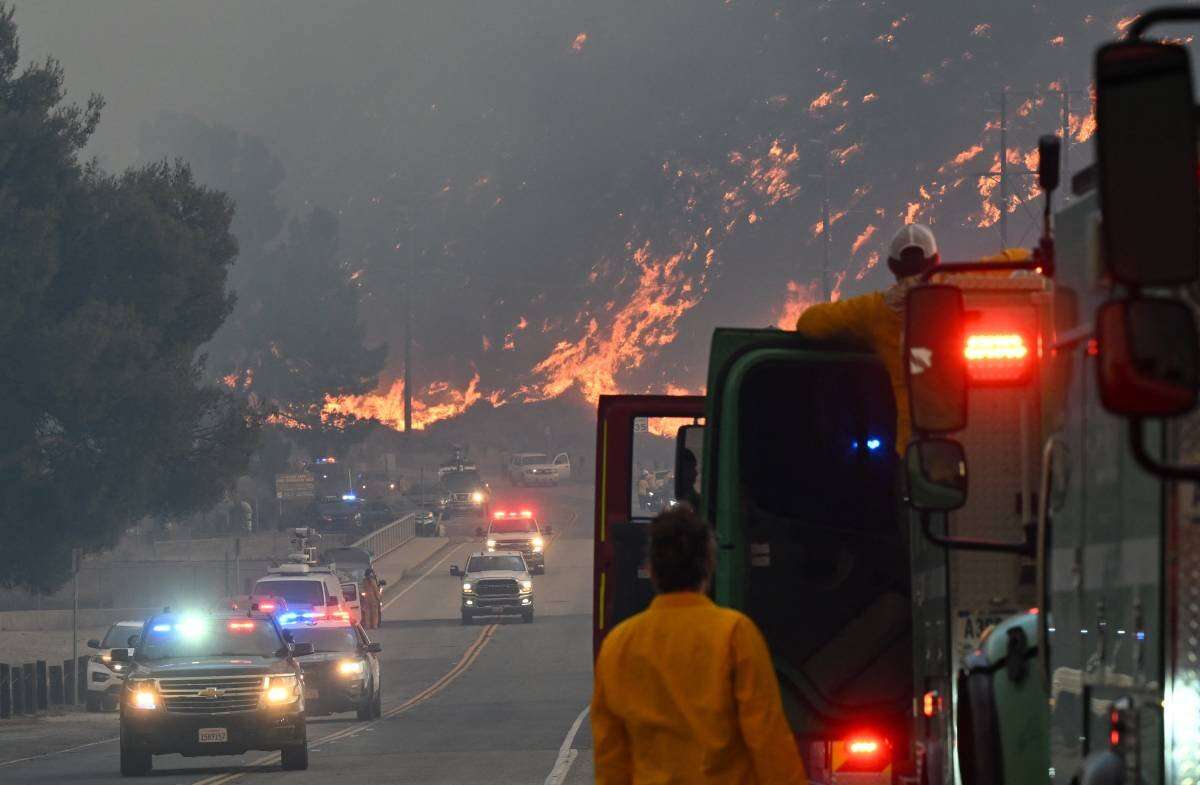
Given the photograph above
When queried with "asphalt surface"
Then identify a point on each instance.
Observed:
(497, 702)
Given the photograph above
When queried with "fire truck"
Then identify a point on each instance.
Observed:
(1034, 616)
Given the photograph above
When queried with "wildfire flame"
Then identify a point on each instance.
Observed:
(438, 401)
(799, 298)
(580, 40)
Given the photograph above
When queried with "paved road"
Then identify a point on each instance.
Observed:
(491, 703)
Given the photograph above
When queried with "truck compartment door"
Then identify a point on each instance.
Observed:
(621, 585)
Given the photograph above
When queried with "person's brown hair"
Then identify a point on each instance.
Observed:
(681, 550)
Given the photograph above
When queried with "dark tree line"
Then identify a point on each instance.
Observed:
(109, 287)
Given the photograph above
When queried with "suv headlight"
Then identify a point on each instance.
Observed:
(538, 542)
(491, 543)
(468, 588)
(477, 497)
(143, 695)
(281, 689)
(526, 586)
(351, 668)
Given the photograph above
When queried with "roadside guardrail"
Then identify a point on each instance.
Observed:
(383, 541)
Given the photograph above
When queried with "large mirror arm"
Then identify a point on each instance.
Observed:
(1166, 471)
(1170, 13)
(1026, 548)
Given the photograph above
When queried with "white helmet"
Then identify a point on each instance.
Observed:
(910, 238)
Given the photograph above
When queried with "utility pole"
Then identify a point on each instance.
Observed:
(1004, 167)
(408, 341)
(76, 557)
(825, 293)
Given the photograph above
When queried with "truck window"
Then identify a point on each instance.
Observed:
(295, 592)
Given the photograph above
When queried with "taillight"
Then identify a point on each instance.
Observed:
(997, 357)
(266, 606)
(862, 747)
(862, 754)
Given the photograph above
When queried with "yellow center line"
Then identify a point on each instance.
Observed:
(469, 656)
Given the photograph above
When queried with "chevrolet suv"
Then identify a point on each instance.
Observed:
(221, 683)
(494, 584)
(520, 532)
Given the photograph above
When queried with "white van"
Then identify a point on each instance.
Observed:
(309, 589)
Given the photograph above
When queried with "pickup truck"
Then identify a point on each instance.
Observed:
(535, 468)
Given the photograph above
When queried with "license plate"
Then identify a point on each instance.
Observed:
(311, 693)
(213, 735)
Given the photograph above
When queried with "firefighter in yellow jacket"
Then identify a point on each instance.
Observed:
(877, 319)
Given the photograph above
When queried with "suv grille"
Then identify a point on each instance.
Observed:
(496, 587)
(523, 546)
(210, 694)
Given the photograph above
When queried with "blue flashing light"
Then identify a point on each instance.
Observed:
(854, 444)
(349, 497)
(874, 444)
(1141, 635)
(161, 628)
(288, 618)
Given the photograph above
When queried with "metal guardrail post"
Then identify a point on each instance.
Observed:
(43, 685)
(18, 690)
(81, 663)
(28, 688)
(68, 671)
(55, 677)
(5, 692)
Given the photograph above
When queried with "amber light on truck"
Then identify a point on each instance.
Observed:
(997, 358)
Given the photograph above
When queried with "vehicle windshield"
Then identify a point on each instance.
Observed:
(117, 636)
(496, 562)
(537, 458)
(462, 481)
(209, 637)
(514, 526)
(295, 592)
(326, 638)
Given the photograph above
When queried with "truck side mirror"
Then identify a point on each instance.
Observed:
(935, 364)
(1147, 161)
(689, 447)
(302, 649)
(373, 648)
(1149, 357)
(455, 571)
(548, 529)
(93, 644)
(937, 475)
(479, 532)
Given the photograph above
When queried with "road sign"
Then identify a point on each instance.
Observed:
(294, 486)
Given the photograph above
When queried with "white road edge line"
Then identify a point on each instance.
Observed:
(424, 576)
(59, 752)
(566, 754)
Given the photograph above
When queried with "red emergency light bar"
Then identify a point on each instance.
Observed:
(522, 514)
(997, 357)
(241, 626)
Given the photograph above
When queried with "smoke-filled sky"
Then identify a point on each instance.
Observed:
(592, 186)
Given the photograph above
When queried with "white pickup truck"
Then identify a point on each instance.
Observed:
(536, 468)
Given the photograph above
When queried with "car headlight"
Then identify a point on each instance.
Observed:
(281, 689)
(351, 667)
(116, 667)
(538, 542)
(491, 543)
(467, 588)
(477, 497)
(142, 695)
(526, 585)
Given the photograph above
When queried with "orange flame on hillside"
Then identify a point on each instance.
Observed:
(799, 298)
(438, 401)
(862, 238)
(826, 99)
(580, 40)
